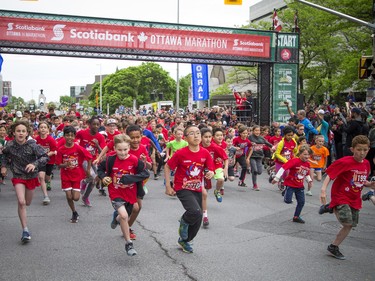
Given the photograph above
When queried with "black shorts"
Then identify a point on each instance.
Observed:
(47, 169)
(118, 202)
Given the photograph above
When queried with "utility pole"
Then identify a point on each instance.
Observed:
(353, 19)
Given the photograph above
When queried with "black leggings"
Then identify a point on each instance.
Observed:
(242, 161)
(192, 203)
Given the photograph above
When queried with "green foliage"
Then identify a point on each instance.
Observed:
(185, 83)
(125, 85)
(330, 46)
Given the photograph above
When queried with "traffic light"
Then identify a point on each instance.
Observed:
(365, 67)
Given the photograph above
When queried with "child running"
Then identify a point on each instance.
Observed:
(256, 159)
(70, 158)
(190, 163)
(299, 169)
(93, 142)
(243, 154)
(50, 147)
(221, 171)
(349, 175)
(318, 161)
(121, 172)
(25, 158)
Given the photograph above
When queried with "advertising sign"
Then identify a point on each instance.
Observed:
(284, 90)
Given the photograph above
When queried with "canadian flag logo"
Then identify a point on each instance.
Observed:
(276, 23)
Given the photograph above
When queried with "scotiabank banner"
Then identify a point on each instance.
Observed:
(133, 37)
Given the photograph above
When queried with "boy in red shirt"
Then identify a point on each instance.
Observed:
(70, 159)
(190, 164)
(349, 175)
(121, 172)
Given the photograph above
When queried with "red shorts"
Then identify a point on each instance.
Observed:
(30, 184)
(68, 185)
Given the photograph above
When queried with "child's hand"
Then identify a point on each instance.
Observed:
(169, 190)
(209, 175)
(106, 181)
(143, 157)
(30, 168)
(96, 161)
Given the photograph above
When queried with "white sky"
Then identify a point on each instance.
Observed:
(55, 75)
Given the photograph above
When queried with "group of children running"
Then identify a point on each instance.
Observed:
(194, 156)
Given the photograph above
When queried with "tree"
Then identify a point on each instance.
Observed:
(330, 47)
(66, 101)
(139, 83)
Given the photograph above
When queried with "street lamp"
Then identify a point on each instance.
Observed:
(178, 65)
(101, 90)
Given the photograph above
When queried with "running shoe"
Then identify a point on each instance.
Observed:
(325, 209)
(145, 189)
(83, 185)
(102, 191)
(25, 237)
(48, 186)
(156, 177)
(335, 252)
(309, 193)
(185, 246)
(367, 196)
(205, 222)
(241, 183)
(46, 200)
(183, 230)
(86, 202)
(272, 175)
(133, 236)
(75, 217)
(255, 187)
(222, 191)
(298, 219)
(130, 249)
(218, 196)
(114, 222)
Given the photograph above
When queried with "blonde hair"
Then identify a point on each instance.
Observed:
(121, 138)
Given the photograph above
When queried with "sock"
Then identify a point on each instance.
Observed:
(129, 242)
(26, 229)
(205, 213)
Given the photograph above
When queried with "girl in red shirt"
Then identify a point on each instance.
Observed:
(49, 144)
(299, 169)
(244, 151)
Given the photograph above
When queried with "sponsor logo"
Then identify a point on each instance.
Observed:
(247, 43)
(10, 26)
(58, 32)
(286, 54)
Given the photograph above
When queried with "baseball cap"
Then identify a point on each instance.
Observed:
(321, 111)
(19, 114)
(111, 121)
(356, 110)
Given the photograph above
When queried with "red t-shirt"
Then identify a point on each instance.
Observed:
(86, 140)
(49, 144)
(275, 140)
(218, 155)
(349, 177)
(223, 144)
(190, 168)
(146, 142)
(116, 189)
(287, 150)
(244, 146)
(111, 136)
(139, 152)
(298, 170)
(76, 155)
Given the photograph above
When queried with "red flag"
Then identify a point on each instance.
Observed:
(276, 23)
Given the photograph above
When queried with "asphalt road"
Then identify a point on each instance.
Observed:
(250, 237)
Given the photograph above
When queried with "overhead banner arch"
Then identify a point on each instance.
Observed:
(74, 36)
